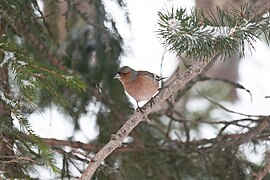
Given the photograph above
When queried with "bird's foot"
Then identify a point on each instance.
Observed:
(152, 103)
(139, 109)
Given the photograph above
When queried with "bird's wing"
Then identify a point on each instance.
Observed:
(152, 75)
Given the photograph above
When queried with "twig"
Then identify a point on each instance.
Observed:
(169, 129)
(234, 84)
(76, 151)
(255, 131)
(224, 108)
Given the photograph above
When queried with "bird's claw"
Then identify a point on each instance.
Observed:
(139, 109)
(152, 103)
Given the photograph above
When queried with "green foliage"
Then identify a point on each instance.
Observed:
(70, 74)
(29, 77)
(197, 35)
(28, 143)
(78, 71)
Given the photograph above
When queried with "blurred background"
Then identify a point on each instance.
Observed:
(91, 40)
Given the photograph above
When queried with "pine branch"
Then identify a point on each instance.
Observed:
(199, 36)
(30, 29)
(29, 77)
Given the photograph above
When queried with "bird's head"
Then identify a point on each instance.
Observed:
(125, 74)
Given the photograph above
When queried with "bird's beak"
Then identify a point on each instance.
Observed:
(117, 76)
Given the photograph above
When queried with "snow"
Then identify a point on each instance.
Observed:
(27, 83)
(67, 78)
(145, 52)
(6, 100)
(7, 57)
(22, 63)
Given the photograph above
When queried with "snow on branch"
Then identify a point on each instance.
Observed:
(201, 35)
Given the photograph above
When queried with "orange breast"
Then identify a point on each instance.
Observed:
(142, 88)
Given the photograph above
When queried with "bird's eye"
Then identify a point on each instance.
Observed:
(122, 73)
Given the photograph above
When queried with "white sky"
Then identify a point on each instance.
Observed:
(145, 53)
(145, 48)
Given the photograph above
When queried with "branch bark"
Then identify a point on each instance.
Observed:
(139, 116)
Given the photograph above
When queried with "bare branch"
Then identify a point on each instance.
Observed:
(139, 116)
(226, 109)
(234, 84)
(248, 136)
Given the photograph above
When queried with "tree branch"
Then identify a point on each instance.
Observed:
(139, 116)
(253, 132)
(87, 147)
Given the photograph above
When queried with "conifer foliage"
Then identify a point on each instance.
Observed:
(67, 54)
(38, 69)
(203, 35)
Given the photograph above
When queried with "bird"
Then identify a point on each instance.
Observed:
(141, 85)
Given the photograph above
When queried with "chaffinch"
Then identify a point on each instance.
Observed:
(141, 85)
